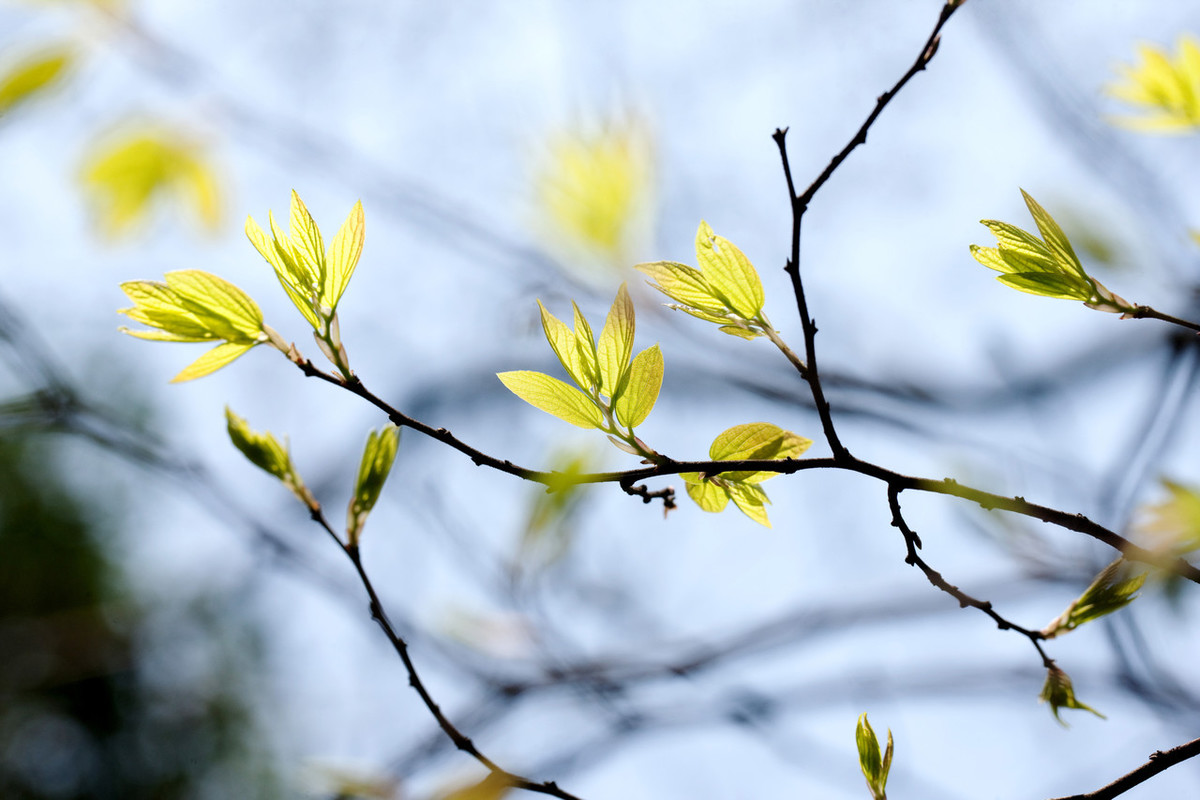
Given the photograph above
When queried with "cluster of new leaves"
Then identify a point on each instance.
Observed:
(265, 452)
(196, 306)
(313, 277)
(615, 394)
(1047, 266)
(725, 289)
(1165, 89)
(875, 763)
(752, 441)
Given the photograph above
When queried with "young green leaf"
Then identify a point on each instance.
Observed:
(1114, 588)
(729, 272)
(633, 405)
(344, 252)
(377, 458)
(616, 344)
(227, 311)
(751, 500)
(756, 441)
(585, 350)
(875, 768)
(307, 247)
(265, 452)
(562, 342)
(553, 396)
(1059, 693)
(1054, 237)
(220, 356)
(710, 496)
(683, 284)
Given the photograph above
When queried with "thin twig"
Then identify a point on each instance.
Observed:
(460, 740)
(1146, 312)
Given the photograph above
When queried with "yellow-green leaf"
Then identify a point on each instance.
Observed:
(562, 342)
(616, 343)
(585, 349)
(343, 255)
(751, 500)
(32, 75)
(553, 396)
(158, 306)
(641, 390)
(1115, 587)
(265, 452)
(1059, 693)
(225, 309)
(756, 441)
(709, 496)
(1165, 90)
(1047, 284)
(1056, 240)
(875, 766)
(683, 284)
(377, 458)
(729, 272)
(307, 247)
(212, 361)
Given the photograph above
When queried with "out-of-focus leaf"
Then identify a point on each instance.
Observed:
(1164, 90)
(1174, 522)
(595, 188)
(641, 390)
(377, 458)
(33, 75)
(875, 766)
(553, 396)
(1060, 694)
(1114, 588)
(125, 175)
(616, 343)
(493, 787)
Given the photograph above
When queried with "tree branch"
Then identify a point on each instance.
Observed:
(1160, 761)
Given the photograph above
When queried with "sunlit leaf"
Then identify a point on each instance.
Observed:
(1060, 694)
(585, 349)
(1174, 522)
(708, 495)
(729, 272)
(562, 342)
(493, 787)
(1056, 241)
(751, 500)
(683, 284)
(33, 75)
(1164, 90)
(373, 469)
(1046, 284)
(344, 252)
(307, 247)
(641, 391)
(220, 356)
(553, 396)
(125, 175)
(616, 343)
(1114, 588)
(223, 308)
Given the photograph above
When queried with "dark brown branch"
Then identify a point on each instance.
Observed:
(1160, 760)
(1146, 312)
(913, 543)
(460, 740)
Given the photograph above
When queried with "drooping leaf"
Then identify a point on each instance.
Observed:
(710, 496)
(373, 469)
(344, 252)
(729, 272)
(1060, 694)
(641, 391)
(1114, 588)
(553, 396)
(615, 347)
(213, 360)
(32, 75)
(751, 500)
